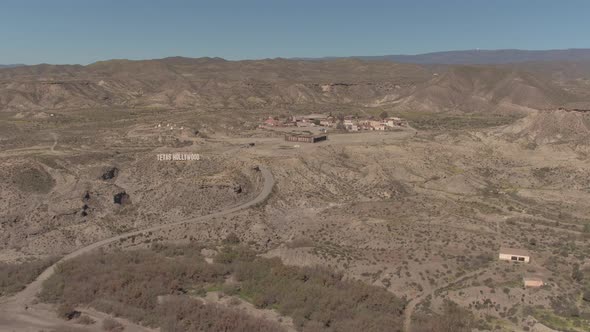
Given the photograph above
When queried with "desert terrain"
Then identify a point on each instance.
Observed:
(409, 220)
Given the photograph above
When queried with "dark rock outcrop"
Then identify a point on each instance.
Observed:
(110, 174)
(121, 198)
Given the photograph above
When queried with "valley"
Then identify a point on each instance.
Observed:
(414, 217)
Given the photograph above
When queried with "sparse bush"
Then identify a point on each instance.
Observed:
(15, 277)
(300, 242)
(231, 238)
(453, 319)
(85, 320)
(67, 311)
(235, 301)
(112, 325)
(197, 316)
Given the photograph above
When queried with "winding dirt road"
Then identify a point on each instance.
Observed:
(13, 310)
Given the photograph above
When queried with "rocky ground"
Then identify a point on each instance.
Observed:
(421, 213)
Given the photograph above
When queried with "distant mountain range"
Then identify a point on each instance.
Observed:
(11, 66)
(462, 57)
(473, 57)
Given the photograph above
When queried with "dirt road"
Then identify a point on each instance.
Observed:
(16, 318)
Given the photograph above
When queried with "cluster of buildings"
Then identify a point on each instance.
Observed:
(168, 126)
(521, 256)
(348, 123)
(368, 124)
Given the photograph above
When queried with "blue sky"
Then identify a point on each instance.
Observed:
(85, 31)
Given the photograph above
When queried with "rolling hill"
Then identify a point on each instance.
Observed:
(279, 83)
(485, 88)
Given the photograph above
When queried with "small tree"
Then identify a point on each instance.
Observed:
(384, 115)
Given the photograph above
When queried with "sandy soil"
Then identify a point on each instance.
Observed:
(419, 213)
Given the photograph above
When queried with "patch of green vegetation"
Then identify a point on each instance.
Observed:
(452, 319)
(509, 187)
(560, 323)
(516, 283)
(456, 170)
(447, 121)
(214, 288)
(499, 324)
(129, 284)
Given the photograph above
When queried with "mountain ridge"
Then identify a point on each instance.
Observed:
(12, 65)
(477, 56)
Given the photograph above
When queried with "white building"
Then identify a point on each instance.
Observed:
(514, 255)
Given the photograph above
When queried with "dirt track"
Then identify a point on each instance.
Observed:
(15, 316)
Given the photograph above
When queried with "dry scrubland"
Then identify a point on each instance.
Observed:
(419, 214)
(128, 284)
(405, 226)
(15, 276)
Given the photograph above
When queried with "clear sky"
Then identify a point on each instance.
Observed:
(85, 31)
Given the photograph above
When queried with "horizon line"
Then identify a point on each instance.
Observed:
(327, 57)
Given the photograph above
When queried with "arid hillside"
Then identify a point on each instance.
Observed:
(473, 88)
(185, 83)
(406, 222)
(262, 84)
(556, 126)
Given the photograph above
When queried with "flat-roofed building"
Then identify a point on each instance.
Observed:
(305, 138)
(515, 255)
(532, 281)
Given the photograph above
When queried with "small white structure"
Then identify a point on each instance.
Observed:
(532, 281)
(514, 255)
